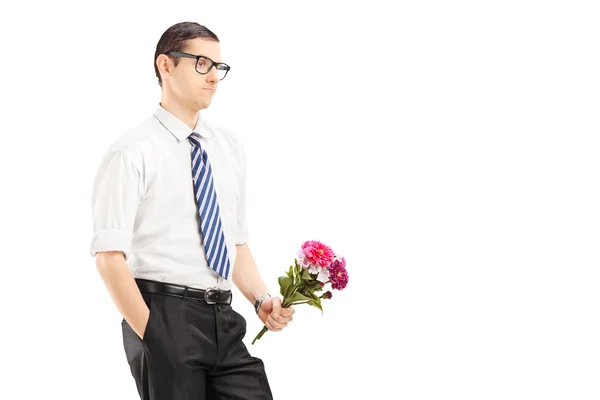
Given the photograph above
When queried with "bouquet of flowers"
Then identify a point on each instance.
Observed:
(315, 266)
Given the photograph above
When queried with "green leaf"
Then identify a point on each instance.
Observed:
(316, 303)
(289, 272)
(285, 283)
(314, 285)
(298, 269)
(297, 296)
(305, 275)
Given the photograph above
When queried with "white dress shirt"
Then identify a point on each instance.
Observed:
(143, 200)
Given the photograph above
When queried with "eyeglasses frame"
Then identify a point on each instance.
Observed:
(197, 58)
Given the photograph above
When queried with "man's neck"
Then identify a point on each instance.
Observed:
(187, 115)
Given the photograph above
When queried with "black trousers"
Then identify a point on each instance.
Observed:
(193, 350)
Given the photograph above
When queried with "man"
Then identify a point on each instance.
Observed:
(170, 237)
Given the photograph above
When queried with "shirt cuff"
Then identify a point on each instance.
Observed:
(242, 233)
(112, 240)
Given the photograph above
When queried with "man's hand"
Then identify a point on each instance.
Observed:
(273, 315)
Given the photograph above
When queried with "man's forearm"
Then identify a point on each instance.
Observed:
(124, 291)
(246, 276)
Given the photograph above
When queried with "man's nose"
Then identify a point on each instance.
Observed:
(213, 75)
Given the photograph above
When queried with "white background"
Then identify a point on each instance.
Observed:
(449, 150)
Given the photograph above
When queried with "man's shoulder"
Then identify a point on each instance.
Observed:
(133, 138)
(134, 142)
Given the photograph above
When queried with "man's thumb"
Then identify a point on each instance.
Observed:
(276, 306)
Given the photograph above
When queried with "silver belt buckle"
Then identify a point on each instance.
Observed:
(206, 294)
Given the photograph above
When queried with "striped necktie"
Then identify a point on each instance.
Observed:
(208, 208)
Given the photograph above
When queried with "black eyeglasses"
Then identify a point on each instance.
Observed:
(204, 64)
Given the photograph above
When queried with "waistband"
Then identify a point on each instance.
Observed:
(209, 296)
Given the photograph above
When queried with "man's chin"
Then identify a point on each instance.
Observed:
(203, 103)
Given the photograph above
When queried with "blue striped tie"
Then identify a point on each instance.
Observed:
(208, 208)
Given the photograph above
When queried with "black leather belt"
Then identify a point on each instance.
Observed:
(209, 296)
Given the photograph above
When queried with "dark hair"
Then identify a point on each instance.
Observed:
(175, 38)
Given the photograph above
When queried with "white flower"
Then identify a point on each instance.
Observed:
(323, 275)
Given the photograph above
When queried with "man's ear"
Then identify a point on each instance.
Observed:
(164, 65)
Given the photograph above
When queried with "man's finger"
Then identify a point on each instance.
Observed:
(276, 307)
(275, 324)
(268, 325)
(286, 312)
(283, 319)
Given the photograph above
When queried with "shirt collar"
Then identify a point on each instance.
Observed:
(177, 127)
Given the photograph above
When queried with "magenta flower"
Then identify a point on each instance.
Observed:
(316, 253)
(342, 260)
(338, 275)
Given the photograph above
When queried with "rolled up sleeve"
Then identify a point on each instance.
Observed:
(115, 198)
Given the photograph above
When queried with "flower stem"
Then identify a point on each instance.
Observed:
(260, 334)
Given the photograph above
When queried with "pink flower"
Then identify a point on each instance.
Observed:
(316, 253)
(338, 274)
